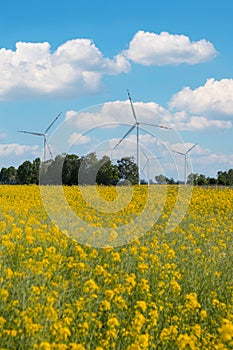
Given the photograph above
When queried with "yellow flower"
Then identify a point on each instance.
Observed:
(169, 333)
(175, 286)
(90, 286)
(134, 346)
(3, 294)
(116, 257)
(191, 302)
(109, 294)
(36, 290)
(74, 346)
(141, 304)
(105, 305)
(45, 346)
(185, 340)
(203, 314)
(113, 322)
(8, 273)
(2, 321)
(138, 322)
(226, 330)
(143, 341)
(197, 330)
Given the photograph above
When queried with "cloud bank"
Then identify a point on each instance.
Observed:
(77, 66)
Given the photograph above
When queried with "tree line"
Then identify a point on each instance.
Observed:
(70, 169)
(223, 178)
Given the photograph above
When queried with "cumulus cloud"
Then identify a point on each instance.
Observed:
(162, 49)
(215, 97)
(78, 139)
(183, 121)
(215, 158)
(119, 112)
(7, 150)
(75, 67)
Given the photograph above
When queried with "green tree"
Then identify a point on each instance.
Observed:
(107, 173)
(70, 169)
(192, 179)
(8, 175)
(201, 180)
(229, 177)
(221, 178)
(54, 170)
(24, 173)
(35, 171)
(170, 181)
(211, 181)
(88, 169)
(160, 179)
(128, 170)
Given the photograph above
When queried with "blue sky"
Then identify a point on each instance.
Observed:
(175, 57)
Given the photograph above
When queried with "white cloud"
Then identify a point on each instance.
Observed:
(224, 160)
(78, 139)
(161, 49)
(7, 150)
(76, 67)
(215, 97)
(183, 121)
(119, 112)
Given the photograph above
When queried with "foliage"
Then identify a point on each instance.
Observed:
(127, 170)
(161, 179)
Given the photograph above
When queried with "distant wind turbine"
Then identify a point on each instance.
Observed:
(44, 135)
(185, 159)
(148, 165)
(137, 126)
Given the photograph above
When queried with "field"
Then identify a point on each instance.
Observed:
(162, 291)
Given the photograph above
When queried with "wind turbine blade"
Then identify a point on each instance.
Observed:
(32, 133)
(132, 107)
(52, 123)
(156, 125)
(128, 132)
(144, 154)
(183, 154)
(145, 164)
(191, 148)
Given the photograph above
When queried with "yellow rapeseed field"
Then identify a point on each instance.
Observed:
(161, 291)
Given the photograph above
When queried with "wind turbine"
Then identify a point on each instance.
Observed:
(148, 165)
(44, 135)
(185, 159)
(137, 126)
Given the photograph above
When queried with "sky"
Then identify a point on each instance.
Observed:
(79, 58)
